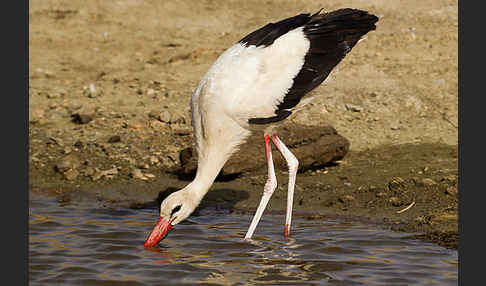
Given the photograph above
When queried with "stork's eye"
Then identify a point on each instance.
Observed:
(176, 209)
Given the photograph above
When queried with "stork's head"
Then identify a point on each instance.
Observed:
(174, 209)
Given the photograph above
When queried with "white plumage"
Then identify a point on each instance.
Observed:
(250, 81)
(245, 82)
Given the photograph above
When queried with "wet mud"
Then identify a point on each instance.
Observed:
(410, 188)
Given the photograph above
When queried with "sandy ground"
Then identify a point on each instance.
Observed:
(109, 90)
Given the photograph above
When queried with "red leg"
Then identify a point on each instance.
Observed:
(268, 189)
(293, 165)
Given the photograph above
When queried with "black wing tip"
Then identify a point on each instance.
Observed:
(267, 34)
(317, 13)
(355, 14)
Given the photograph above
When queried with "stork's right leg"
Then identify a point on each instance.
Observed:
(270, 187)
(293, 165)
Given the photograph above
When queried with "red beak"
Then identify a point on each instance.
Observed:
(158, 233)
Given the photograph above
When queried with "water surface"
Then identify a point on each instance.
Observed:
(87, 243)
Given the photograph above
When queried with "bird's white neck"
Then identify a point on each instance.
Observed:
(208, 169)
(214, 147)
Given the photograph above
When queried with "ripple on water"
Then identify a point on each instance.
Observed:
(88, 244)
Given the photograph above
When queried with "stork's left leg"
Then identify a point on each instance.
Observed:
(270, 187)
(293, 165)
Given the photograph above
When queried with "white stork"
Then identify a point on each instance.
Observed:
(257, 82)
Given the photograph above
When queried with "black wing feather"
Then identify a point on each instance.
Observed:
(331, 35)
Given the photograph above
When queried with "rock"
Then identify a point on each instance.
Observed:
(137, 174)
(144, 166)
(81, 118)
(150, 176)
(396, 202)
(71, 108)
(380, 194)
(353, 107)
(89, 171)
(150, 92)
(451, 190)
(164, 116)
(156, 124)
(425, 219)
(116, 115)
(428, 182)
(47, 74)
(71, 174)
(153, 114)
(168, 117)
(313, 146)
(108, 174)
(114, 139)
(91, 91)
(66, 163)
(55, 140)
(135, 124)
(51, 95)
(36, 115)
(394, 126)
(153, 160)
(170, 164)
(97, 175)
(78, 144)
(450, 179)
(181, 129)
(177, 118)
(346, 199)
(372, 188)
(66, 150)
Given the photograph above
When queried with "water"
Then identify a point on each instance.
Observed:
(86, 243)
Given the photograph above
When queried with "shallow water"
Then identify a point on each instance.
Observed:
(86, 243)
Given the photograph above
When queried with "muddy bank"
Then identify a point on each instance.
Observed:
(376, 186)
(109, 109)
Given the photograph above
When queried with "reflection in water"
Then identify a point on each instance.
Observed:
(88, 244)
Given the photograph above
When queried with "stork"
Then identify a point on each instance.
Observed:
(252, 86)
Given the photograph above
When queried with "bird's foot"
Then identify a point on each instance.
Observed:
(287, 231)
